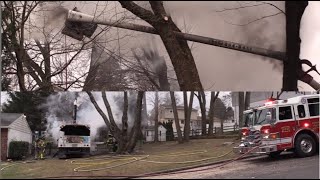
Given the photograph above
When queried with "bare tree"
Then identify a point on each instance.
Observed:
(127, 139)
(291, 66)
(213, 98)
(178, 49)
(292, 69)
(156, 116)
(241, 108)
(39, 63)
(187, 114)
(202, 102)
(176, 118)
(247, 100)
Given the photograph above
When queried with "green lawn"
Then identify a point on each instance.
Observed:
(149, 158)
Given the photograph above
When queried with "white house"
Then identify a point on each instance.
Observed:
(14, 127)
(166, 115)
(149, 133)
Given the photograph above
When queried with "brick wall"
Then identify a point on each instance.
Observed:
(4, 143)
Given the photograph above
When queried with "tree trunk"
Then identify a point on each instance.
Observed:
(294, 11)
(135, 132)
(247, 100)
(156, 114)
(187, 113)
(124, 131)
(241, 108)
(178, 49)
(211, 114)
(176, 118)
(221, 122)
(202, 102)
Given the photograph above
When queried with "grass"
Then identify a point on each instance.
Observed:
(205, 150)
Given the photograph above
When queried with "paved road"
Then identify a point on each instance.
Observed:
(286, 167)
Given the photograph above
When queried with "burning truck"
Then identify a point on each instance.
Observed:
(282, 125)
(74, 138)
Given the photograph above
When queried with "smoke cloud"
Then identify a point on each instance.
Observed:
(219, 68)
(60, 110)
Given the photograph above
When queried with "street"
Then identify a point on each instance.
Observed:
(286, 167)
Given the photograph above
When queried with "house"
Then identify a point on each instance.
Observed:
(166, 115)
(259, 98)
(149, 133)
(14, 127)
(228, 124)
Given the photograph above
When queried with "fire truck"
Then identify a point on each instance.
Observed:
(282, 125)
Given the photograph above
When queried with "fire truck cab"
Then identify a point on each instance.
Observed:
(282, 125)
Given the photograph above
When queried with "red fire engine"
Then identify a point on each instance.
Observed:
(282, 125)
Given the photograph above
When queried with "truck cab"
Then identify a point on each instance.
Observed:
(282, 125)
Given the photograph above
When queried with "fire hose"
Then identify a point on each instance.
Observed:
(134, 159)
(13, 164)
(142, 158)
(172, 173)
(153, 173)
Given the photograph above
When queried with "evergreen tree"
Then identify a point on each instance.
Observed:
(28, 103)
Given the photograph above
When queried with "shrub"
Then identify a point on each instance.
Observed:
(18, 150)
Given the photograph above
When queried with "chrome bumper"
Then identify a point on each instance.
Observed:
(258, 150)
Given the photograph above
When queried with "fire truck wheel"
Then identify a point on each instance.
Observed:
(275, 154)
(305, 145)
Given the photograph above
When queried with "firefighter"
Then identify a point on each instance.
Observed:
(112, 143)
(36, 148)
(40, 147)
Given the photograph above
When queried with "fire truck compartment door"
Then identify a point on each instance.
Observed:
(286, 125)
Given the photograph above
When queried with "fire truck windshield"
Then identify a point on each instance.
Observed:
(264, 116)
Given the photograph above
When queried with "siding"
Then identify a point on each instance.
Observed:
(21, 125)
(19, 130)
(168, 114)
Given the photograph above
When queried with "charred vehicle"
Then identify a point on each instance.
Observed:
(74, 140)
(282, 125)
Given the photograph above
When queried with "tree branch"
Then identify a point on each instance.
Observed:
(142, 13)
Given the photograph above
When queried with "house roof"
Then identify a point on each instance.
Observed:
(8, 118)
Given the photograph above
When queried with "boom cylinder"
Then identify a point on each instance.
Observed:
(81, 17)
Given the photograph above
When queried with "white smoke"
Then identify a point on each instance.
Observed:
(60, 110)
